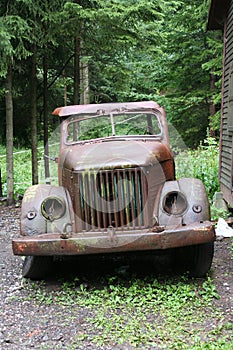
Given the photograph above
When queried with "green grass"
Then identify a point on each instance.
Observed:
(23, 170)
(201, 163)
(144, 313)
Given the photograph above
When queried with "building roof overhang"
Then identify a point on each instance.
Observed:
(217, 14)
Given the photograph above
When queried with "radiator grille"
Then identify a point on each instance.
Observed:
(115, 198)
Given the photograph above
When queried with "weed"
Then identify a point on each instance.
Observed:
(208, 290)
(219, 213)
(22, 170)
(146, 313)
(218, 344)
(202, 164)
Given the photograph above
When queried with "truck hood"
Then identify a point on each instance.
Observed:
(113, 154)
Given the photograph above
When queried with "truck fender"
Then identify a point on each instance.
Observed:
(183, 201)
(46, 209)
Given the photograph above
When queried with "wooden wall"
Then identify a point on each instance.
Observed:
(226, 159)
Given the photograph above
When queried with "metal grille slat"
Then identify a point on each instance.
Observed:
(132, 195)
(86, 202)
(115, 198)
(109, 198)
(120, 201)
(103, 195)
(125, 198)
(98, 202)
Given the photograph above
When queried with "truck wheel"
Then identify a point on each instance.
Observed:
(36, 267)
(196, 259)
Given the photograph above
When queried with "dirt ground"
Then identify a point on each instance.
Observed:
(20, 322)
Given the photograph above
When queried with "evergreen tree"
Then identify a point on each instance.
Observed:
(14, 32)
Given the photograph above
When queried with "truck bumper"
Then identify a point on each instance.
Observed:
(55, 244)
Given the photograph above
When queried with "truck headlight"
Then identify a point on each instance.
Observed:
(53, 208)
(175, 203)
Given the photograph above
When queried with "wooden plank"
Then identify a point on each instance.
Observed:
(229, 51)
(225, 183)
(226, 172)
(227, 143)
(224, 120)
(229, 54)
(225, 117)
(225, 135)
(225, 131)
(226, 93)
(225, 106)
(229, 32)
(226, 158)
(225, 178)
(227, 153)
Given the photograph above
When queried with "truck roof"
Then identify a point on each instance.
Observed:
(106, 107)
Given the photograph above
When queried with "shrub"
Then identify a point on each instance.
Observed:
(201, 163)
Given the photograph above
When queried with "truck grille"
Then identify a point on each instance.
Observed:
(114, 198)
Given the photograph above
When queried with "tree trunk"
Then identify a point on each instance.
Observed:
(45, 99)
(212, 107)
(65, 87)
(33, 88)
(76, 70)
(84, 83)
(9, 138)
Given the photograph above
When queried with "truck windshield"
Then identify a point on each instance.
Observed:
(82, 128)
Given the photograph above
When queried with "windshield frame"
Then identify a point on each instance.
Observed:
(79, 117)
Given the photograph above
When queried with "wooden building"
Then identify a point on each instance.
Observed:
(221, 17)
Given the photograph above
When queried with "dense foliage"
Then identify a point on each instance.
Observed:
(134, 50)
(202, 164)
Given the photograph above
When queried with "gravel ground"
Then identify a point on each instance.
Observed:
(25, 324)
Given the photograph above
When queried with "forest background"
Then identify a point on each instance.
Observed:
(60, 52)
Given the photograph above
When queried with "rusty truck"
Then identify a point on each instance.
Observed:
(117, 193)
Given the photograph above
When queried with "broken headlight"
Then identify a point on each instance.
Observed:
(175, 203)
(53, 208)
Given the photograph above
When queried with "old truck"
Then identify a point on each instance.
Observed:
(117, 193)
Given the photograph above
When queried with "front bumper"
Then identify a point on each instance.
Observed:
(54, 244)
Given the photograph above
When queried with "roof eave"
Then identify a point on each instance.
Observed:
(217, 14)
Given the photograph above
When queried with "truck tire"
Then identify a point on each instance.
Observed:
(196, 259)
(36, 267)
